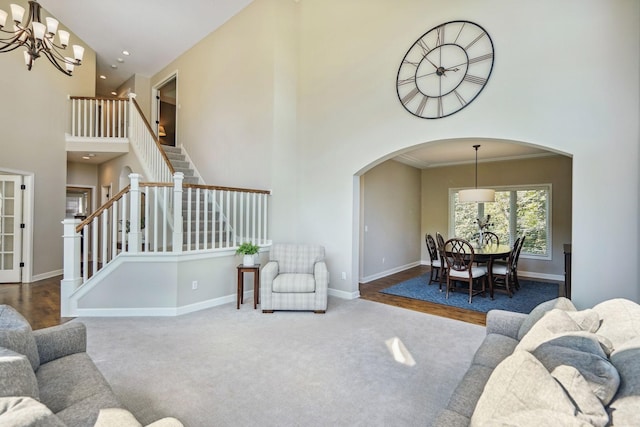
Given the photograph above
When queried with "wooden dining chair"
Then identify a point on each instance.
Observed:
(515, 265)
(502, 273)
(443, 272)
(436, 263)
(460, 268)
(490, 238)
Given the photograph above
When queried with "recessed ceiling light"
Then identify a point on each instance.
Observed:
(120, 60)
(86, 157)
(103, 77)
(114, 66)
(114, 93)
(126, 53)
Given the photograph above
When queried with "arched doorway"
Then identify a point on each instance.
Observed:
(407, 193)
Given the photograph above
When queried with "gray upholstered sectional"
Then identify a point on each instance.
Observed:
(48, 379)
(556, 366)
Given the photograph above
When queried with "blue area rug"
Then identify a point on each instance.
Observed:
(530, 294)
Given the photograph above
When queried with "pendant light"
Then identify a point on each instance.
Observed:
(477, 195)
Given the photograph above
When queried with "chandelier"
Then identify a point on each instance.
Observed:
(479, 195)
(37, 38)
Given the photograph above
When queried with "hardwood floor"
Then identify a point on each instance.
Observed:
(39, 302)
(369, 291)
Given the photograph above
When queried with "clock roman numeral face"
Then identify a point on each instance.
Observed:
(445, 69)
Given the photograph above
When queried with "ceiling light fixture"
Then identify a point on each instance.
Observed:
(478, 195)
(38, 38)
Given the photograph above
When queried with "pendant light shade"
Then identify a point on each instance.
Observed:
(477, 195)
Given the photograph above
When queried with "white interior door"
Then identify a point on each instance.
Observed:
(10, 231)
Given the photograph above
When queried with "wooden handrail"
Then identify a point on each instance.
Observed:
(216, 187)
(93, 98)
(102, 208)
(155, 138)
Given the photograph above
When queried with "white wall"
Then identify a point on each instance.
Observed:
(565, 77)
(34, 113)
(553, 85)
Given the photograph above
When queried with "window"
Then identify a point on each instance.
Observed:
(517, 211)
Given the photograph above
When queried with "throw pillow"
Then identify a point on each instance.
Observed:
(624, 407)
(620, 320)
(16, 375)
(536, 314)
(600, 375)
(26, 412)
(16, 335)
(520, 383)
(552, 324)
(589, 407)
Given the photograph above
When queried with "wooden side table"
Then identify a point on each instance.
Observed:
(255, 269)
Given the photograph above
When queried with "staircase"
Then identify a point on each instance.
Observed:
(181, 164)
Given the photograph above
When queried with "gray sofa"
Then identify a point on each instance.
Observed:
(48, 379)
(555, 366)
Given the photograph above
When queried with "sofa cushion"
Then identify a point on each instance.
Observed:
(294, 258)
(449, 418)
(620, 320)
(625, 404)
(554, 323)
(26, 412)
(294, 283)
(536, 314)
(493, 350)
(16, 375)
(521, 383)
(583, 352)
(16, 335)
(74, 389)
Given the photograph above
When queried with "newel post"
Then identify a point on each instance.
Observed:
(135, 235)
(177, 211)
(71, 279)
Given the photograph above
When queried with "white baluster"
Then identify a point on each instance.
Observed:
(178, 177)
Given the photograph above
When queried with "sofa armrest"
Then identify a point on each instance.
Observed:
(321, 275)
(504, 322)
(61, 340)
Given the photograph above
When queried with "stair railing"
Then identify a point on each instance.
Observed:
(137, 220)
(99, 118)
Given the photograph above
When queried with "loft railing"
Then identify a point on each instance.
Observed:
(120, 119)
(99, 117)
(174, 218)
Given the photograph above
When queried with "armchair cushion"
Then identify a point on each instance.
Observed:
(16, 335)
(294, 258)
(294, 283)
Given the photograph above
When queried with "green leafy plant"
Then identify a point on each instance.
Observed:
(247, 248)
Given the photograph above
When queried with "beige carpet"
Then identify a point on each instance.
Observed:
(228, 367)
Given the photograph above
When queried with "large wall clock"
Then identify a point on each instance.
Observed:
(445, 69)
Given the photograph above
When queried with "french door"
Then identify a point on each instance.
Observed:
(10, 231)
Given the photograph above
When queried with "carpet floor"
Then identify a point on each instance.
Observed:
(228, 367)
(530, 294)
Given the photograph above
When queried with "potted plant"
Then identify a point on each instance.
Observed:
(247, 249)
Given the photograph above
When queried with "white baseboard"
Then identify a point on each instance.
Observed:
(44, 276)
(390, 271)
(343, 294)
(534, 275)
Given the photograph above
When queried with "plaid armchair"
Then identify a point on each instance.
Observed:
(295, 278)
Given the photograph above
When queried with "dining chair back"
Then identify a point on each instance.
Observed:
(502, 274)
(514, 267)
(459, 256)
(490, 238)
(436, 263)
(443, 270)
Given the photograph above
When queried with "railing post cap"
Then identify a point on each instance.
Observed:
(132, 95)
(70, 221)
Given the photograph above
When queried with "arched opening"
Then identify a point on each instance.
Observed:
(407, 193)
